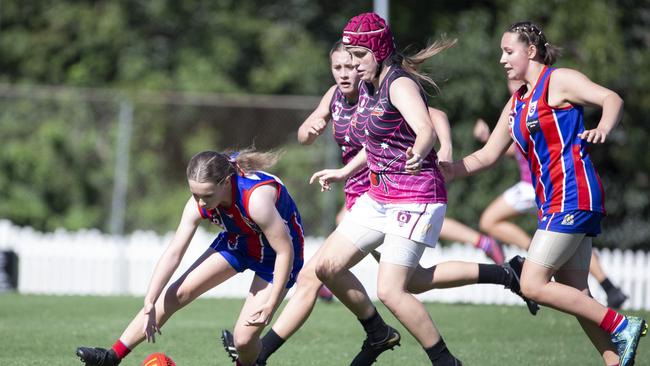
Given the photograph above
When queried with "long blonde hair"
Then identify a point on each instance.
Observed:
(412, 63)
(213, 166)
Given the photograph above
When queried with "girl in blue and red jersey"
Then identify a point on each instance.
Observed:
(545, 120)
(262, 231)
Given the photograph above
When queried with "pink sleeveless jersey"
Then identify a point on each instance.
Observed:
(387, 138)
(524, 169)
(349, 136)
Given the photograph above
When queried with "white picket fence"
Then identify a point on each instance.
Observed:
(91, 263)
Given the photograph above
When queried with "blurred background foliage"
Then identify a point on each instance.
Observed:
(58, 153)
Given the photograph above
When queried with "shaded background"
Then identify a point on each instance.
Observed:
(102, 103)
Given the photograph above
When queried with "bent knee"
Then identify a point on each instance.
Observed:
(307, 278)
(244, 340)
(486, 223)
(531, 290)
(389, 296)
(177, 295)
(326, 270)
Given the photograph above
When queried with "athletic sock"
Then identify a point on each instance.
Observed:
(613, 322)
(483, 243)
(440, 355)
(121, 349)
(270, 343)
(607, 285)
(375, 327)
(492, 273)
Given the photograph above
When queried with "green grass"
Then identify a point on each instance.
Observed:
(45, 330)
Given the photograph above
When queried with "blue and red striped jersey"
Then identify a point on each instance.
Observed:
(243, 231)
(562, 173)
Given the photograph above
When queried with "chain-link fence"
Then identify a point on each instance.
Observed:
(81, 158)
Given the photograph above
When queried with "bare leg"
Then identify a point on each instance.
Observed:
(536, 285)
(391, 290)
(208, 271)
(443, 275)
(595, 268)
(247, 337)
(494, 221)
(333, 268)
(599, 338)
(454, 230)
(301, 303)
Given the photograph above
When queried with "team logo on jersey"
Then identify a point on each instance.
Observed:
(337, 110)
(568, 219)
(532, 109)
(363, 102)
(232, 242)
(403, 217)
(346, 39)
(378, 111)
(216, 218)
(532, 125)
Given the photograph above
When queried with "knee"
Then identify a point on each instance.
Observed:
(531, 290)
(485, 223)
(307, 279)
(388, 295)
(326, 270)
(176, 296)
(244, 341)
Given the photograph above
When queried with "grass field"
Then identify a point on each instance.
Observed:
(45, 330)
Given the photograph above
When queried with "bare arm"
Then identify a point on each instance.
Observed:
(571, 86)
(442, 129)
(315, 124)
(485, 157)
(261, 208)
(405, 96)
(327, 176)
(168, 263)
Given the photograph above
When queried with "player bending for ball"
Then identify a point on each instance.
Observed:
(262, 232)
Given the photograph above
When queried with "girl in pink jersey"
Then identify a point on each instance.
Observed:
(338, 106)
(405, 204)
(544, 118)
(261, 231)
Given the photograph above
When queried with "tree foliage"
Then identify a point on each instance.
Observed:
(58, 155)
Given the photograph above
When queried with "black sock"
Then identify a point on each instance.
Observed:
(270, 343)
(492, 273)
(375, 327)
(440, 355)
(607, 285)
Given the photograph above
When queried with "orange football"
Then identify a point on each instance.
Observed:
(158, 359)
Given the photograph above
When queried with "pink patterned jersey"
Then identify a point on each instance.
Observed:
(524, 169)
(349, 137)
(387, 138)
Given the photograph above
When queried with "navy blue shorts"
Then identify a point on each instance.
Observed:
(572, 222)
(241, 261)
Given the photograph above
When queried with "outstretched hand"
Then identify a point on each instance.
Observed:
(481, 130)
(150, 324)
(594, 136)
(327, 176)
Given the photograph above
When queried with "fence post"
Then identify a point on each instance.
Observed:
(121, 176)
